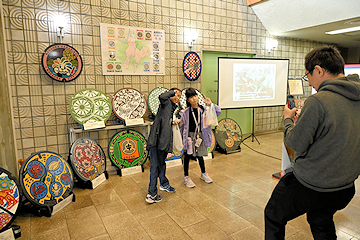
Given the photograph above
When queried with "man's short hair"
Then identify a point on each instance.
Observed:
(327, 57)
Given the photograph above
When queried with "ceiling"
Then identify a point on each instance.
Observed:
(310, 19)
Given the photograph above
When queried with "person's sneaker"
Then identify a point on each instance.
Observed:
(167, 188)
(206, 178)
(152, 199)
(188, 182)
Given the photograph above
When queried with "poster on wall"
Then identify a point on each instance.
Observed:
(129, 50)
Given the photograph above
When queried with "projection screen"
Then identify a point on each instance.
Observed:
(252, 82)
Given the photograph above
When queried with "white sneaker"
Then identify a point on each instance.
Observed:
(188, 182)
(205, 176)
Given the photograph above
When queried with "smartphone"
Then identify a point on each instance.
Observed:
(290, 101)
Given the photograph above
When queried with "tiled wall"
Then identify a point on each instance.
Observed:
(41, 105)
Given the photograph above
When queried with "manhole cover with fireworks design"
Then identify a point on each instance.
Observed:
(62, 62)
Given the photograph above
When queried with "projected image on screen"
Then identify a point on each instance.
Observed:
(253, 82)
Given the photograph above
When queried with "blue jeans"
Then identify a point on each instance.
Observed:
(157, 170)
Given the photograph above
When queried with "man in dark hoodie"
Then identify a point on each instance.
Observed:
(326, 140)
(160, 144)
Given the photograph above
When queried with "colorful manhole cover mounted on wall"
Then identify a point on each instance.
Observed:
(46, 178)
(87, 158)
(192, 66)
(9, 199)
(128, 149)
(153, 99)
(183, 98)
(62, 62)
(129, 103)
(228, 134)
(213, 143)
(90, 105)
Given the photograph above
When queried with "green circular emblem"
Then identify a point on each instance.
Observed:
(90, 104)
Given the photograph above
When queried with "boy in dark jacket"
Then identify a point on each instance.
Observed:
(160, 143)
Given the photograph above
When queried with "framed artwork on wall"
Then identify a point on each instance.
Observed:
(296, 87)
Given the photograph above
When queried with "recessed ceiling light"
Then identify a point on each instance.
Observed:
(352, 29)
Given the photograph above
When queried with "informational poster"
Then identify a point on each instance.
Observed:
(129, 50)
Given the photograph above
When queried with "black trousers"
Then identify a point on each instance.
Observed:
(291, 199)
(186, 164)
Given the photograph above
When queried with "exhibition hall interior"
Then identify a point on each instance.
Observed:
(80, 93)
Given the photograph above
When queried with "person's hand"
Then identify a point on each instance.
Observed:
(289, 113)
(175, 121)
(169, 155)
(207, 100)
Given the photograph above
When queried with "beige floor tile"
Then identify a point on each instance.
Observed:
(141, 209)
(163, 227)
(124, 225)
(248, 233)
(85, 223)
(343, 236)
(192, 195)
(221, 216)
(24, 221)
(41, 225)
(81, 201)
(181, 211)
(55, 234)
(111, 208)
(126, 187)
(104, 197)
(205, 230)
(299, 236)
(253, 214)
(301, 224)
(102, 237)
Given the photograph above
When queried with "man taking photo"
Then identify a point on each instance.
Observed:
(326, 141)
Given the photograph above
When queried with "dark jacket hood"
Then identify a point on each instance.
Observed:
(348, 87)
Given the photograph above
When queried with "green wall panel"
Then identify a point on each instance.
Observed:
(210, 88)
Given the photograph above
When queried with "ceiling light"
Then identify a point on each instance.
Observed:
(352, 29)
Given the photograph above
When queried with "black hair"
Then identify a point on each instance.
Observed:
(175, 88)
(327, 57)
(190, 92)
